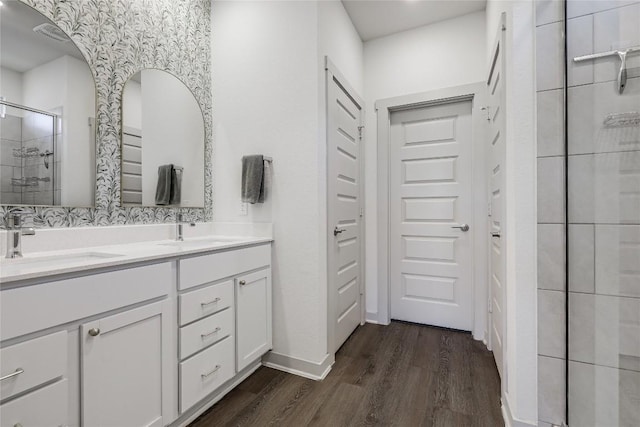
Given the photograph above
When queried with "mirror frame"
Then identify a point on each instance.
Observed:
(204, 143)
(148, 40)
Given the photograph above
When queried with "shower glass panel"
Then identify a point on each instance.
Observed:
(27, 157)
(603, 213)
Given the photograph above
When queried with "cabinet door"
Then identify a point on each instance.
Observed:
(253, 316)
(122, 368)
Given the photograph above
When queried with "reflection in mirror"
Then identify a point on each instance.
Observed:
(47, 109)
(162, 142)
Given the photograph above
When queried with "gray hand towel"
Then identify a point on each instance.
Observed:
(163, 189)
(252, 179)
(176, 186)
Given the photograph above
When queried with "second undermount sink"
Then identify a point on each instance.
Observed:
(43, 260)
(201, 241)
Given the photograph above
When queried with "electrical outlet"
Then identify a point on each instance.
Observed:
(244, 208)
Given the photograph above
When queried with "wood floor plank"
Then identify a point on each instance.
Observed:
(401, 375)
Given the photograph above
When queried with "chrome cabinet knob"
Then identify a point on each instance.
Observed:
(242, 282)
(94, 332)
(463, 227)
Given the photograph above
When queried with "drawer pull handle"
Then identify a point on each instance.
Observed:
(94, 332)
(242, 282)
(213, 301)
(13, 374)
(208, 334)
(208, 374)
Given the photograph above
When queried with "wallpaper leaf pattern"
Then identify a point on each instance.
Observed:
(119, 38)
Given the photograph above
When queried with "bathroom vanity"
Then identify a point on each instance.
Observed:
(142, 334)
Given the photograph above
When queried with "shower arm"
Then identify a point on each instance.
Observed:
(622, 54)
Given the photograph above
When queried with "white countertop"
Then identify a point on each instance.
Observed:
(37, 265)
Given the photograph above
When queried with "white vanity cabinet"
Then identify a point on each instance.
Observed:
(122, 367)
(224, 319)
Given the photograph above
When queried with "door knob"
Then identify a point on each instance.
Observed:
(94, 332)
(463, 227)
(495, 234)
(337, 231)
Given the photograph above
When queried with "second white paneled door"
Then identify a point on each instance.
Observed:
(344, 187)
(430, 212)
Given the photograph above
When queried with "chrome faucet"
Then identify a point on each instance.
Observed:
(15, 231)
(179, 224)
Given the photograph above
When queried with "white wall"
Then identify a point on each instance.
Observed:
(520, 388)
(437, 56)
(265, 99)
(268, 98)
(11, 85)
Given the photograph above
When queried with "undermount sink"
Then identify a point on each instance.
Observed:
(201, 241)
(56, 259)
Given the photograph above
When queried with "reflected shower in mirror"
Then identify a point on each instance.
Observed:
(47, 110)
(162, 142)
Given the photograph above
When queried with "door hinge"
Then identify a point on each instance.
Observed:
(489, 208)
(360, 131)
(490, 305)
(361, 212)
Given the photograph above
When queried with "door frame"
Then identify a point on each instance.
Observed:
(333, 73)
(476, 93)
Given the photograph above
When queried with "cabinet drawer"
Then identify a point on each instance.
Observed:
(205, 372)
(208, 268)
(203, 302)
(33, 308)
(44, 407)
(205, 332)
(40, 360)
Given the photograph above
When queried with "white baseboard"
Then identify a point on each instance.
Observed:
(370, 317)
(304, 368)
(509, 421)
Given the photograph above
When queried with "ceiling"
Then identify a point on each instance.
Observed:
(378, 18)
(22, 48)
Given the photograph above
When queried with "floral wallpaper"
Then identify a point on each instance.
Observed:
(119, 38)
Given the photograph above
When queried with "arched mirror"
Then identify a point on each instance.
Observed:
(47, 113)
(162, 142)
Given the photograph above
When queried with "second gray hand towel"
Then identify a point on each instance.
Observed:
(252, 179)
(163, 188)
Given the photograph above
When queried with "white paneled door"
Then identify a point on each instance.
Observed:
(344, 209)
(430, 212)
(496, 168)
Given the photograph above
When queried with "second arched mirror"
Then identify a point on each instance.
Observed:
(162, 142)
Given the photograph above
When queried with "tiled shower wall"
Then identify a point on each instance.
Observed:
(551, 212)
(604, 213)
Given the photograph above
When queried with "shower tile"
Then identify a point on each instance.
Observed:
(549, 57)
(6, 174)
(603, 396)
(582, 258)
(587, 131)
(604, 330)
(604, 188)
(617, 260)
(43, 198)
(9, 198)
(551, 321)
(7, 156)
(579, 42)
(11, 128)
(550, 123)
(585, 7)
(548, 11)
(615, 29)
(551, 254)
(551, 190)
(551, 389)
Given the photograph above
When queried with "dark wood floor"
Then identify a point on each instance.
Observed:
(397, 375)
